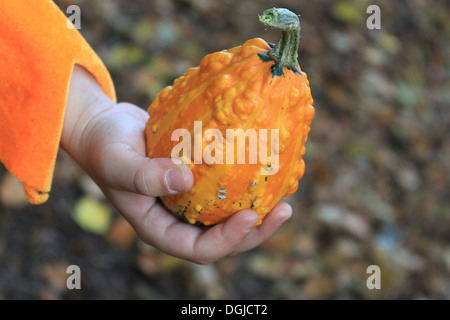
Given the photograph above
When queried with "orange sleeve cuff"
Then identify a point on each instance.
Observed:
(37, 55)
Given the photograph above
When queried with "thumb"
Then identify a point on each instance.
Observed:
(127, 170)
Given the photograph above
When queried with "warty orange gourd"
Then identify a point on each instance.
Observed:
(250, 87)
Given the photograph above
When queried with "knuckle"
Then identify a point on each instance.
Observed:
(141, 183)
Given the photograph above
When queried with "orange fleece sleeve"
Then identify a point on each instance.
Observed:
(37, 55)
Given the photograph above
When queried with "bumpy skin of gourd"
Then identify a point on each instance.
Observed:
(234, 89)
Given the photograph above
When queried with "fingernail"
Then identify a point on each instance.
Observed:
(283, 216)
(174, 181)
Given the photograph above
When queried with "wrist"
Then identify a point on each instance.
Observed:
(85, 101)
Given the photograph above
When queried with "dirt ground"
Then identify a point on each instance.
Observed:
(376, 188)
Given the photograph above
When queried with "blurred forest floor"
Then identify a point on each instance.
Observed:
(376, 187)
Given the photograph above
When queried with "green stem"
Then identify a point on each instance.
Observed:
(285, 53)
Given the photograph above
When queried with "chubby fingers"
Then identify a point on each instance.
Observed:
(200, 245)
(239, 233)
(206, 245)
(257, 235)
(221, 240)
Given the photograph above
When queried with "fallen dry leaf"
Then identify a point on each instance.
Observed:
(121, 233)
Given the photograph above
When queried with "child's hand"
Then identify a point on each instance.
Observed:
(107, 140)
